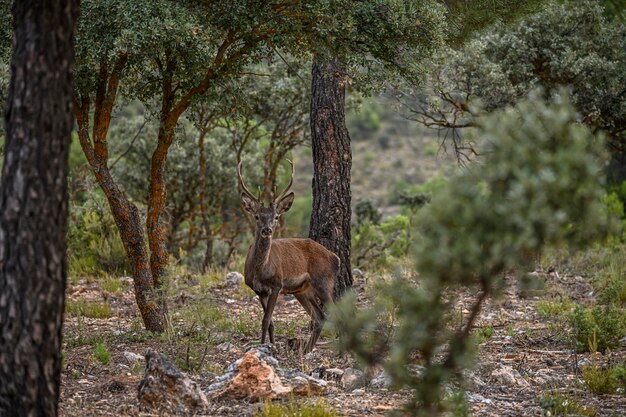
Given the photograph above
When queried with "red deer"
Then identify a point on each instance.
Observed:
(301, 267)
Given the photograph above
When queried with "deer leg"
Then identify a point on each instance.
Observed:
(304, 302)
(264, 300)
(318, 323)
(268, 325)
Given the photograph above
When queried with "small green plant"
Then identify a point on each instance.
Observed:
(291, 408)
(483, 334)
(549, 308)
(604, 380)
(558, 404)
(101, 353)
(111, 284)
(85, 308)
(602, 326)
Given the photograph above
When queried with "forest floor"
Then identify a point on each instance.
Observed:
(525, 366)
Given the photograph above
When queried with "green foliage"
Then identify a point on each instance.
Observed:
(551, 309)
(568, 43)
(484, 333)
(366, 213)
(93, 240)
(101, 353)
(293, 408)
(402, 191)
(539, 184)
(378, 245)
(85, 308)
(610, 283)
(598, 328)
(559, 404)
(605, 380)
(366, 120)
(299, 217)
(111, 284)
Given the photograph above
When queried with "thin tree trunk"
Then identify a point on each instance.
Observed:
(332, 161)
(33, 207)
(204, 209)
(159, 255)
(124, 212)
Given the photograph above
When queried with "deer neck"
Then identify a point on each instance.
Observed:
(261, 251)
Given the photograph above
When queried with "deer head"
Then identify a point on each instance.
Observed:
(265, 217)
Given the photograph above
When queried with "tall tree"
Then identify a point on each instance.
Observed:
(171, 53)
(332, 161)
(373, 44)
(33, 206)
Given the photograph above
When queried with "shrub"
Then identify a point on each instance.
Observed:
(101, 353)
(558, 404)
(317, 408)
(376, 245)
(539, 185)
(598, 328)
(94, 244)
(85, 308)
(605, 380)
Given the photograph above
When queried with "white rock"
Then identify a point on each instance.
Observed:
(357, 273)
(383, 380)
(352, 379)
(509, 376)
(477, 398)
(132, 357)
(225, 347)
(233, 279)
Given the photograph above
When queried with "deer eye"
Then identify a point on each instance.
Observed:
(256, 216)
(276, 218)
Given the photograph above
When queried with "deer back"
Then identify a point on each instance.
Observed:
(298, 260)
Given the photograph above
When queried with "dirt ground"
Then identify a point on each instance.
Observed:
(522, 362)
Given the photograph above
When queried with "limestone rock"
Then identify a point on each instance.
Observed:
(383, 380)
(233, 279)
(132, 358)
(257, 376)
(352, 379)
(357, 273)
(165, 389)
(509, 376)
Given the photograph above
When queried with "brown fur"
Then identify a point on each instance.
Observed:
(301, 267)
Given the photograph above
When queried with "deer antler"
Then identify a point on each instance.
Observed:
(288, 185)
(243, 185)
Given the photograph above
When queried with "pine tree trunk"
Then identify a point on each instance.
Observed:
(332, 160)
(33, 206)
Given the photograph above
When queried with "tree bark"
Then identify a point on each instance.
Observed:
(124, 212)
(34, 205)
(332, 161)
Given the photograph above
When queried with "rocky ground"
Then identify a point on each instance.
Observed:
(524, 363)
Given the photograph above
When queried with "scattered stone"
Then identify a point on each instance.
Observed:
(358, 391)
(133, 358)
(166, 389)
(233, 279)
(328, 374)
(352, 379)
(226, 347)
(509, 376)
(477, 398)
(383, 380)
(256, 376)
(357, 273)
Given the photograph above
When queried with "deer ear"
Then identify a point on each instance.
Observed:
(248, 204)
(285, 203)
